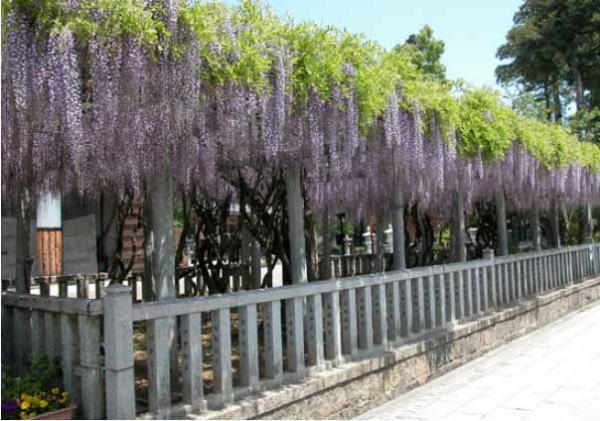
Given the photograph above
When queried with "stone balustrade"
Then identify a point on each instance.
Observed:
(263, 339)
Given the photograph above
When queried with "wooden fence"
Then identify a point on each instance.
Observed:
(211, 351)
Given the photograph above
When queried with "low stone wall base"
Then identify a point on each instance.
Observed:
(350, 389)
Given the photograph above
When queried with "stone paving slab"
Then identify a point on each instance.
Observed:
(550, 374)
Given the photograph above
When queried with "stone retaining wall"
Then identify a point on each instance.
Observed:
(355, 387)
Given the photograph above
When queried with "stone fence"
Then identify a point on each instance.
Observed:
(175, 357)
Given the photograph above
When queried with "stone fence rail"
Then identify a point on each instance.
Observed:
(258, 340)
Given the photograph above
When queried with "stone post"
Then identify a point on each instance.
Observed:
(326, 264)
(256, 265)
(379, 249)
(587, 225)
(501, 223)
(295, 209)
(535, 228)
(458, 248)
(398, 229)
(118, 347)
(554, 226)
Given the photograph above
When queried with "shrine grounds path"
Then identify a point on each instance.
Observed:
(550, 374)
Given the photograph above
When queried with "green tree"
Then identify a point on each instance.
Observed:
(556, 44)
(426, 53)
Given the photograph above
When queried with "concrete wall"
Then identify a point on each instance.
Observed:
(79, 253)
(358, 386)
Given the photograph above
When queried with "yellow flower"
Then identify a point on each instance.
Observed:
(23, 415)
(25, 397)
(43, 403)
(25, 404)
(33, 414)
(55, 390)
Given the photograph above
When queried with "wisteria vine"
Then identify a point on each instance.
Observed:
(91, 111)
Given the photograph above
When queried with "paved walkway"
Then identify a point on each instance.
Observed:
(550, 374)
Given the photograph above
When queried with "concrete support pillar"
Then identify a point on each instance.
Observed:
(536, 231)
(255, 271)
(295, 209)
(458, 243)
(398, 230)
(246, 257)
(554, 226)
(587, 224)
(380, 245)
(326, 272)
(501, 223)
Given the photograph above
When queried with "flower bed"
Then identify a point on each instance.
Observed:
(34, 393)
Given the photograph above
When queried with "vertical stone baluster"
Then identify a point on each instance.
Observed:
(90, 366)
(442, 281)
(461, 295)
(379, 316)
(506, 282)
(478, 290)
(421, 303)
(432, 305)
(69, 356)
(348, 320)
(333, 328)
(294, 336)
(221, 356)
(408, 304)
(452, 296)
(485, 290)
(518, 280)
(37, 333)
(393, 311)
(314, 330)
(159, 366)
(248, 338)
(470, 291)
(365, 321)
(272, 339)
(191, 345)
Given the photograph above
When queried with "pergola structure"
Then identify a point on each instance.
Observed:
(147, 99)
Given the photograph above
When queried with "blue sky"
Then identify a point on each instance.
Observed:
(471, 29)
